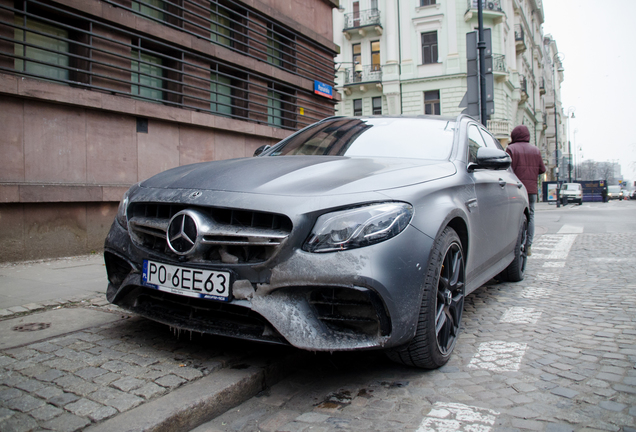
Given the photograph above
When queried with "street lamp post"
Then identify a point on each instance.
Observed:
(576, 156)
(571, 111)
(556, 126)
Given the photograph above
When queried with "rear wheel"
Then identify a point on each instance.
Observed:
(441, 309)
(517, 268)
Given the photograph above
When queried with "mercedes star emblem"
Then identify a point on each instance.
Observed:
(182, 233)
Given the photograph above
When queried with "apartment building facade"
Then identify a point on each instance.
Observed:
(96, 95)
(409, 57)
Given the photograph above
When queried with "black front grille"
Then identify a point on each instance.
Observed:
(200, 315)
(148, 223)
(350, 310)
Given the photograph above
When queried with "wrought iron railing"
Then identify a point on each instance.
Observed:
(523, 84)
(499, 63)
(363, 18)
(487, 5)
(94, 54)
(363, 74)
(519, 34)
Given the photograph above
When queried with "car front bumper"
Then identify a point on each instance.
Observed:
(355, 299)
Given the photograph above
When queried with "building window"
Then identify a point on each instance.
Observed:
(356, 14)
(274, 108)
(377, 105)
(427, 2)
(53, 53)
(220, 25)
(147, 76)
(375, 55)
(151, 8)
(432, 102)
(429, 47)
(221, 94)
(281, 106)
(274, 53)
(281, 48)
(228, 25)
(356, 58)
(357, 107)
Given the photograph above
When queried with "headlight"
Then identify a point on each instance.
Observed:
(121, 211)
(358, 227)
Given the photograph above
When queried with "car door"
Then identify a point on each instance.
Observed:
(517, 194)
(489, 212)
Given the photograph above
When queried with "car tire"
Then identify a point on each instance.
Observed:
(517, 268)
(441, 308)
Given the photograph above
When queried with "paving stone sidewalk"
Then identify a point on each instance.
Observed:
(84, 378)
(556, 352)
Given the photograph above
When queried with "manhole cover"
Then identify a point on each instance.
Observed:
(31, 327)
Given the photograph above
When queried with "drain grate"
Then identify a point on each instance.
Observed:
(31, 327)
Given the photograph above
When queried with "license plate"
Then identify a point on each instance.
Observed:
(191, 282)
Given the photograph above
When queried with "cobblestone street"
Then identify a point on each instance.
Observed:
(555, 352)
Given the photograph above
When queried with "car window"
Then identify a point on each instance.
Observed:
(475, 141)
(490, 140)
(372, 137)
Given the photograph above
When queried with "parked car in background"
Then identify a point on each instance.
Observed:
(572, 192)
(614, 192)
(351, 234)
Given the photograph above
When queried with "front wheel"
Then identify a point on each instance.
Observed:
(441, 309)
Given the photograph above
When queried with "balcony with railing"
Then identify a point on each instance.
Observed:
(490, 8)
(487, 5)
(499, 128)
(363, 74)
(523, 87)
(520, 38)
(361, 22)
(499, 67)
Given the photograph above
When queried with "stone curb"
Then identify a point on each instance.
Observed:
(88, 300)
(196, 403)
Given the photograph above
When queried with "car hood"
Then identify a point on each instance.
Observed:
(302, 175)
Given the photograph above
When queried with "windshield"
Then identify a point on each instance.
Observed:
(372, 137)
(614, 189)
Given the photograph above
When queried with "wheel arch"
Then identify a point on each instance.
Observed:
(460, 227)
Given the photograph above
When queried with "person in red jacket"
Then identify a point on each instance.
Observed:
(527, 164)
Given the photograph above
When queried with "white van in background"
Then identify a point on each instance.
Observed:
(573, 192)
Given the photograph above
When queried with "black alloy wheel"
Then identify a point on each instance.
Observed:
(450, 299)
(441, 309)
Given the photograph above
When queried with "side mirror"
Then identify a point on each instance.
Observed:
(490, 159)
(261, 149)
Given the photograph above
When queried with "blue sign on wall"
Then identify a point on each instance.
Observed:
(323, 89)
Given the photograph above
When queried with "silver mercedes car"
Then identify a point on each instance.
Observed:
(351, 234)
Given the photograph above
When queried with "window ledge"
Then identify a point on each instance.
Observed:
(34, 88)
(429, 7)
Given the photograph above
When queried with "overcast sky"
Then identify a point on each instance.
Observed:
(598, 43)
